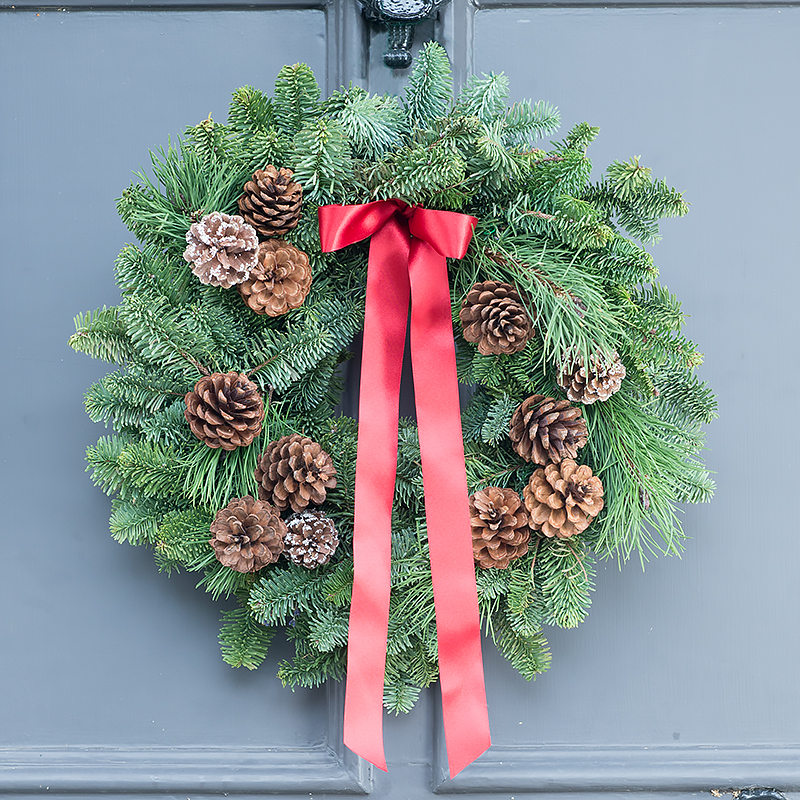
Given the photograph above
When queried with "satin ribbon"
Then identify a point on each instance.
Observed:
(407, 260)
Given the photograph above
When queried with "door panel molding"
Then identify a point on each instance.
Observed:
(184, 771)
(592, 770)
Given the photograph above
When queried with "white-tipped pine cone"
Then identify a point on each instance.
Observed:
(222, 248)
(597, 382)
(311, 539)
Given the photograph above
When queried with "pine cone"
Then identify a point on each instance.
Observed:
(293, 472)
(562, 499)
(248, 535)
(222, 248)
(279, 281)
(599, 382)
(492, 315)
(271, 201)
(311, 539)
(225, 410)
(545, 429)
(500, 531)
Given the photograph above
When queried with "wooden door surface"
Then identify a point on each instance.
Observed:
(681, 681)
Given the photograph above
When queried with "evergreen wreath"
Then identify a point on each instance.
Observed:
(227, 457)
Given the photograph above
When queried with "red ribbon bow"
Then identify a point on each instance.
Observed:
(407, 259)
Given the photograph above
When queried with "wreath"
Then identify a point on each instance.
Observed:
(228, 458)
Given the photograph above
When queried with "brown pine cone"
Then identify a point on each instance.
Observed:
(225, 410)
(500, 531)
(598, 382)
(279, 281)
(492, 315)
(562, 499)
(248, 535)
(222, 248)
(293, 472)
(545, 429)
(271, 201)
(311, 539)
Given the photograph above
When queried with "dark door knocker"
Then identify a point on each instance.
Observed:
(400, 17)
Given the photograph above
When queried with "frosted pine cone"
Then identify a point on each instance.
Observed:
(248, 535)
(562, 499)
(492, 315)
(225, 410)
(222, 248)
(598, 382)
(271, 201)
(294, 472)
(311, 539)
(545, 429)
(499, 522)
(279, 281)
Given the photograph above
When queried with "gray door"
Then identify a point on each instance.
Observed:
(683, 678)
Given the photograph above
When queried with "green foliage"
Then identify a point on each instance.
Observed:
(296, 98)
(430, 86)
(243, 640)
(573, 249)
(322, 160)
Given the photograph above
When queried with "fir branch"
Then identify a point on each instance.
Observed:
(322, 160)
(564, 575)
(430, 86)
(244, 641)
(483, 97)
(101, 334)
(296, 98)
(136, 519)
(250, 112)
(529, 655)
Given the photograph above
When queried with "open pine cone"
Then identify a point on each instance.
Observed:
(294, 472)
(492, 315)
(222, 249)
(248, 535)
(598, 382)
(271, 201)
(545, 429)
(279, 281)
(311, 539)
(225, 410)
(499, 522)
(562, 499)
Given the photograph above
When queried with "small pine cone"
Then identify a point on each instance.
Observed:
(279, 281)
(545, 429)
(311, 539)
(293, 472)
(222, 248)
(248, 535)
(271, 201)
(598, 382)
(225, 410)
(500, 531)
(562, 499)
(492, 315)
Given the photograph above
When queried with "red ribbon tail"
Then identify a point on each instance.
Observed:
(466, 718)
(376, 464)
